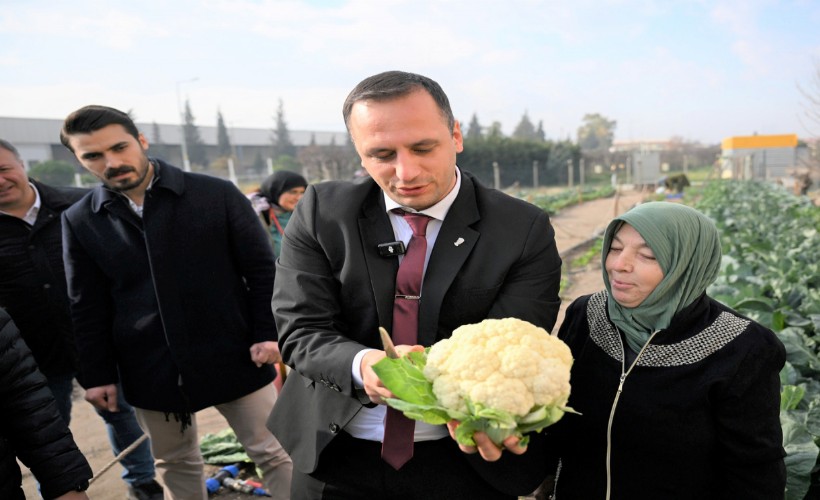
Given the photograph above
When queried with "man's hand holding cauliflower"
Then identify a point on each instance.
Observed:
(491, 383)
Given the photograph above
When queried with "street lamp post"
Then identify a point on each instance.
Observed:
(186, 162)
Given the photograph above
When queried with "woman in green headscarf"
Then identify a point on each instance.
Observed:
(678, 395)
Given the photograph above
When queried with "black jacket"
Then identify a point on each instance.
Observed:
(171, 303)
(31, 428)
(698, 416)
(32, 280)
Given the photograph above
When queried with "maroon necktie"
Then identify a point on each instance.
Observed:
(397, 447)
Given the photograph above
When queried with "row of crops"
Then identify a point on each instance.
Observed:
(552, 203)
(771, 273)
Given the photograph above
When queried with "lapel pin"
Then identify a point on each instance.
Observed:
(459, 242)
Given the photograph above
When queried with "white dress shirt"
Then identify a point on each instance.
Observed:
(369, 422)
(31, 214)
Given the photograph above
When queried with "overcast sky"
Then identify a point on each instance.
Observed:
(703, 70)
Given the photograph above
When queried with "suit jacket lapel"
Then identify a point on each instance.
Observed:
(454, 244)
(375, 228)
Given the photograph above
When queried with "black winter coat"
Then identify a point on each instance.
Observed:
(32, 280)
(697, 418)
(31, 428)
(171, 303)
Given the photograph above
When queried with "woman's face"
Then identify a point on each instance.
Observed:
(631, 267)
(290, 198)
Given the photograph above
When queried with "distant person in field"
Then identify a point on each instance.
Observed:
(32, 429)
(170, 277)
(678, 396)
(275, 202)
(33, 291)
(802, 183)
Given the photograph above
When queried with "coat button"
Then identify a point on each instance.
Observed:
(334, 428)
(47, 286)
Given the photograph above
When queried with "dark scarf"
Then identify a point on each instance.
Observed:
(280, 182)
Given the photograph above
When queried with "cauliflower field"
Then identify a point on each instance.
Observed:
(773, 276)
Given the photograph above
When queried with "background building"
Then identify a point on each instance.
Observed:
(38, 140)
(762, 157)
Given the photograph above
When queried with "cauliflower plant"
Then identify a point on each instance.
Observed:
(500, 376)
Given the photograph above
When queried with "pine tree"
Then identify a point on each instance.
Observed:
(223, 141)
(525, 130)
(282, 145)
(474, 129)
(193, 141)
(539, 132)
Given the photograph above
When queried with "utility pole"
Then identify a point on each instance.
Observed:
(496, 176)
(629, 168)
(232, 172)
(581, 174)
(535, 174)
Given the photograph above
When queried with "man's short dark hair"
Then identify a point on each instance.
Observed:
(4, 144)
(392, 85)
(92, 118)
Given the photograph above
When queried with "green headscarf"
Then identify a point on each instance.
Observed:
(686, 245)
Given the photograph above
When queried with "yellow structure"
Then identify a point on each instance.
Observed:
(762, 157)
(759, 141)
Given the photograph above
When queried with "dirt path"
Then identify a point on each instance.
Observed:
(573, 227)
(91, 437)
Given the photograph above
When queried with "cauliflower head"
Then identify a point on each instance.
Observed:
(506, 364)
(502, 377)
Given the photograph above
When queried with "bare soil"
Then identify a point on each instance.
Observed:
(575, 228)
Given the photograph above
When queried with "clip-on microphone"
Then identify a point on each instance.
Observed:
(392, 249)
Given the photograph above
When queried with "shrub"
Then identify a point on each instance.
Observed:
(53, 172)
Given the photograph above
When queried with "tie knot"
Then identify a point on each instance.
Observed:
(418, 222)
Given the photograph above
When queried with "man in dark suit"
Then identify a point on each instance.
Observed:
(488, 256)
(170, 278)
